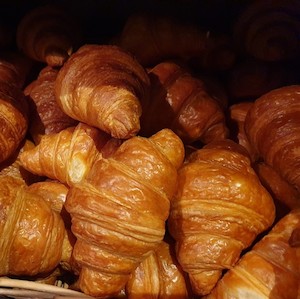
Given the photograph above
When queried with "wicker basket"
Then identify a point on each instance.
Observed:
(15, 288)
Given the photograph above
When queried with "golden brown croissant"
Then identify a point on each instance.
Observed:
(158, 276)
(269, 30)
(13, 119)
(103, 86)
(32, 235)
(219, 208)
(55, 193)
(270, 269)
(182, 102)
(119, 211)
(67, 156)
(272, 128)
(155, 38)
(48, 34)
(46, 116)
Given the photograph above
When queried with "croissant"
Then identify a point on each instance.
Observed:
(270, 269)
(272, 128)
(48, 34)
(55, 193)
(119, 210)
(220, 207)
(13, 119)
(158, 276)
(46, 116)
(155, 38)
(269, 30)
(67, 156)
(182, 102)
(103, 86)
(32, 235)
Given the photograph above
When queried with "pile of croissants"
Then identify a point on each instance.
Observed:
(161, 163)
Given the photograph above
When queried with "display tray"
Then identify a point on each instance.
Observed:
(16, 288)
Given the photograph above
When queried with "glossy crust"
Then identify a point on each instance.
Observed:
(183, 103)
(13, 119)
(67, 156)
(46, 116)
(219, 209)
(270, 269)
(31, 233)
(272, 128)
(158, 276)
(119, 211)
(103, 86)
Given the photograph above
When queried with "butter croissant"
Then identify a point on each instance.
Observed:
(272, 128)
(220, 207)
(119, 210)
(46, 117)
(183, 103)
(67, 156)
(270, 269)
(103, 86)
(158, 276)
(13, 119)
(32, 235)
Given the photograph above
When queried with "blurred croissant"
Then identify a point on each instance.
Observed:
(119, 211)
(67, 156)
(103, 86)
(33, 238)
(182, 102)
(13, 118)
(220, 207)
(270, 269)
(15, 68)
(272, 128)
(158, 276)
(48, 34)
(155, 38)
(269, 30)
(46, 117)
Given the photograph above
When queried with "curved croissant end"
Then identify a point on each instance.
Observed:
(13, 119)
(270, 269)
(67, 156)
(273, 130)
(103, 86)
